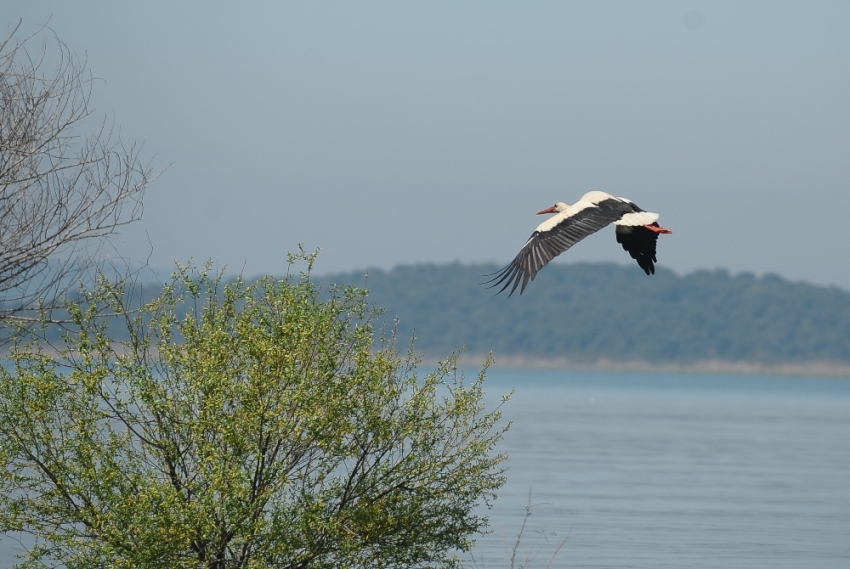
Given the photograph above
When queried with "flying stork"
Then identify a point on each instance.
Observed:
(637, 231)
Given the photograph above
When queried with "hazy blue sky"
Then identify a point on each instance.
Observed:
(404, 132)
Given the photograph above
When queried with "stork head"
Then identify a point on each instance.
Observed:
(557, 208)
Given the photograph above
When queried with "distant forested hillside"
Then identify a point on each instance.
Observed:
(587, 312)
(590, 312)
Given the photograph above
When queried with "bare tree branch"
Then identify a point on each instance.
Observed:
(61, 189)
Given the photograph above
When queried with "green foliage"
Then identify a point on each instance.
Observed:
(268, 427)
(587, 312)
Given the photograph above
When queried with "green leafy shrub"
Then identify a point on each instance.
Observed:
(267, 427)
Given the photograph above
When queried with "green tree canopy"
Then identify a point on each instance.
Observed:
(271, 426)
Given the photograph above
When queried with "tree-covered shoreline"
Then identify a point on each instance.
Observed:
(587, 313)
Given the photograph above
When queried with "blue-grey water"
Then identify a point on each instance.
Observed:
(652, 471)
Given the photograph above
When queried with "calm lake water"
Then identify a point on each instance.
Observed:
(654, 471)
(651, 471)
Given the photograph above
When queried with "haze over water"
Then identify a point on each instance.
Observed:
(412, 132)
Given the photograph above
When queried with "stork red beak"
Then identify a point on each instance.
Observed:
(547, 210)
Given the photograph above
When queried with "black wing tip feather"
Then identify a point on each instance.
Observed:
(507, 275)
(640, 243)
(511, 274)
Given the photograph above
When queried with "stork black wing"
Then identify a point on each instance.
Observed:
(640, 242)
(543, 246)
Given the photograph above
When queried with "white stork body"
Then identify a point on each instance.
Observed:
(637, 231)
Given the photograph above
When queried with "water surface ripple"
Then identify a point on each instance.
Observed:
(651, 471)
